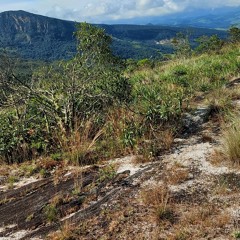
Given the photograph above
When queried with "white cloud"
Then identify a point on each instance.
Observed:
(107, 10)
(213, 3)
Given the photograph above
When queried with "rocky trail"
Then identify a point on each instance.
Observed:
(196, 198)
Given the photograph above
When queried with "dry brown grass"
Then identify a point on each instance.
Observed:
(200, 215)
(221, 189)
(231, 143)
(180, 221)
(217, 157)
(204, 218)
(206, 137)
(157, 195)
(200, 222)
(5, 169)
(47, 163)
(180, 233)
(221, 107)
(66, 232)
(236, 93)
(158, 143)
(167, 139)
(115, 120)
(119, 134)
(142, 159)
(159, 198)
(176, 174)
(57, 199)
(80, 147)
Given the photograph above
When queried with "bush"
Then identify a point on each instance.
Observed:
(234, 33)
(206, 44)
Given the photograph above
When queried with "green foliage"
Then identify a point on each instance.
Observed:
(11, 180)
(131, 132)
(85, 86)
(145, 63)
(61, 98)
(236, 235)
(157, 102)
(131, 65)
(234, 33)
(12, 139)
(24, 135)
(51, 213)
(206, 44)
(107, 173)
(161, 94)
(43, 173)
(56, 156)
(182, 45)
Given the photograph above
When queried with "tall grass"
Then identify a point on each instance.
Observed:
(231, 143)
(80, 147)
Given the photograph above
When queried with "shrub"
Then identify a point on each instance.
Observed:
(234, 33)
(145, 63)
(51, 213)
(206, 44)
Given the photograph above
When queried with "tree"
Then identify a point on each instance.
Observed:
(206, 44)
(85, 86)
(182, 45)
(9, 88)
(234, 33)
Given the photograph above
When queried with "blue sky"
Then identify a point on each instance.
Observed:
(100, 11)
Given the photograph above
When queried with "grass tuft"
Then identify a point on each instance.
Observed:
(160, 199)
(231, 143)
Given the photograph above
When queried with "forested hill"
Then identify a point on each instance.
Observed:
(35, 36)
(38, 37)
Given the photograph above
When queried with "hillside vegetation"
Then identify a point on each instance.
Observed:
(97, 147)
(92, 108)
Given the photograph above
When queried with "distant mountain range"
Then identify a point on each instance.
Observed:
(219, 18)
(38, 37)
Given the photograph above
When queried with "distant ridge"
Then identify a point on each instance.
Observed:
(34, 36)
(217, 18)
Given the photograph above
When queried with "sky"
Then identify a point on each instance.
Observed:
(104, 11)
